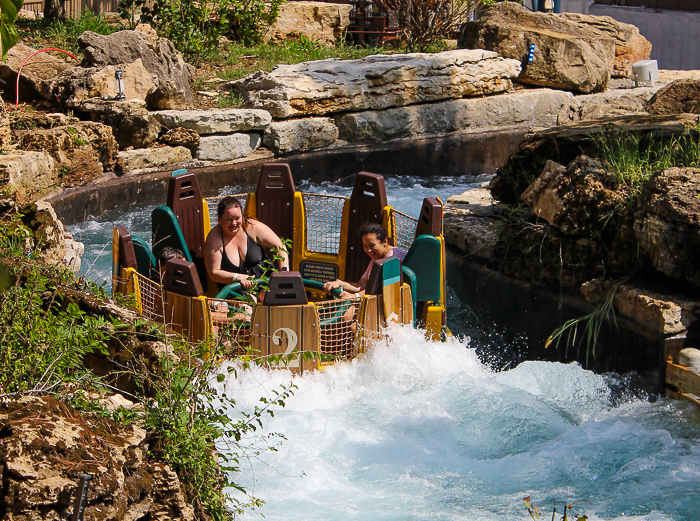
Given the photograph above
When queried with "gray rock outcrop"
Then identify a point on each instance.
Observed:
(376, 82)
(138, 159)
(527, 107)
(36, 73)
(574, 199)
(666, 314)
(48, 444)
(28, 171)
(630, 46)
(227, 147)
(132, 125)
(215, 121)
(472, 223)
(681, 96)
(81, 151)
(154, 71)
(298, 135)
(568, 55)
(667, 222)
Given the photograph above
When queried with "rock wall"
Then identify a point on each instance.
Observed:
(584, 236)
(45, 447)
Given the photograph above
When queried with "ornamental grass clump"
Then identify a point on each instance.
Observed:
(632, 157)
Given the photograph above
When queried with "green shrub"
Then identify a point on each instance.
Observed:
(249, 20)
(195, 27)
(41, 345)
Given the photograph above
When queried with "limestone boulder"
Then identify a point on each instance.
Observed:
(298, 135)
(317, 21)
(568, 55)
(666, 314)
(36, 73)
(49, 238)
(526, 107)
(228, 147)
(375, 82)
(472, 224)
(133, 161)
(681, 96)
(630, 45)
(81, 152)
(575, 199)
(28, 171)
(215, 121)
(132, 125)
(612, 103)
(153, 70)
(667, 222)
(48, 445)
(180, 137)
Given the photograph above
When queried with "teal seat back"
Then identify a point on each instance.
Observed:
(145, 261)
(425, 259)
(165, 231)
(409, 277)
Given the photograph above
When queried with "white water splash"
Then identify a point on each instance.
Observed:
(420, 430)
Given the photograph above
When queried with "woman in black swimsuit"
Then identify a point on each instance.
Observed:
(235, 248)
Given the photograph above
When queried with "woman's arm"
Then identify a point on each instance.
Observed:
(265, 237)
(348, 290)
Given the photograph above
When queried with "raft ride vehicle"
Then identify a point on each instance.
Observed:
(296, 314)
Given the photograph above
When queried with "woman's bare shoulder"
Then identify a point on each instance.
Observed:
(214, 238)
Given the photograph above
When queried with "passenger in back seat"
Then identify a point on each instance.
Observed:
(164, 255)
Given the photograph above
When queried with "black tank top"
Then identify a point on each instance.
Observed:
(253, 264)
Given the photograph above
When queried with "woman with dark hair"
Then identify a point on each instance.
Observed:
(375, 242)
(235, 248)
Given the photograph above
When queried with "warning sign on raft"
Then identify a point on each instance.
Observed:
(320, 271)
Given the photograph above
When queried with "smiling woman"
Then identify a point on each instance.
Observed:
(375, 243)
(235, 248)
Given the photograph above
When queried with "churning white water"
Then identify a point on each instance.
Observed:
(421, 430)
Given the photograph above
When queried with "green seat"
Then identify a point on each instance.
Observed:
(409, 277)
(425, 259)
(165, 231)
(145, 261)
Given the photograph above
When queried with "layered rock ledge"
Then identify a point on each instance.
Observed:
(376, 82)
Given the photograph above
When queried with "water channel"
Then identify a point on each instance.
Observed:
(421, 430)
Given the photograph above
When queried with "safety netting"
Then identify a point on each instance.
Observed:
(338, 319)
(230, 324)
(324, 217)
(403, 229)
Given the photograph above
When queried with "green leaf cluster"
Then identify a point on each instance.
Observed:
(8, 32)
(195, 27)
(42, 344)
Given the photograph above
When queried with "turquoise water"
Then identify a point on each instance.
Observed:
(418, 430)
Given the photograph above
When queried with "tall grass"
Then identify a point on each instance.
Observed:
(238, 60)
(634, 156)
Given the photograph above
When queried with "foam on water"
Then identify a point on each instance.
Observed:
(422, 430)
